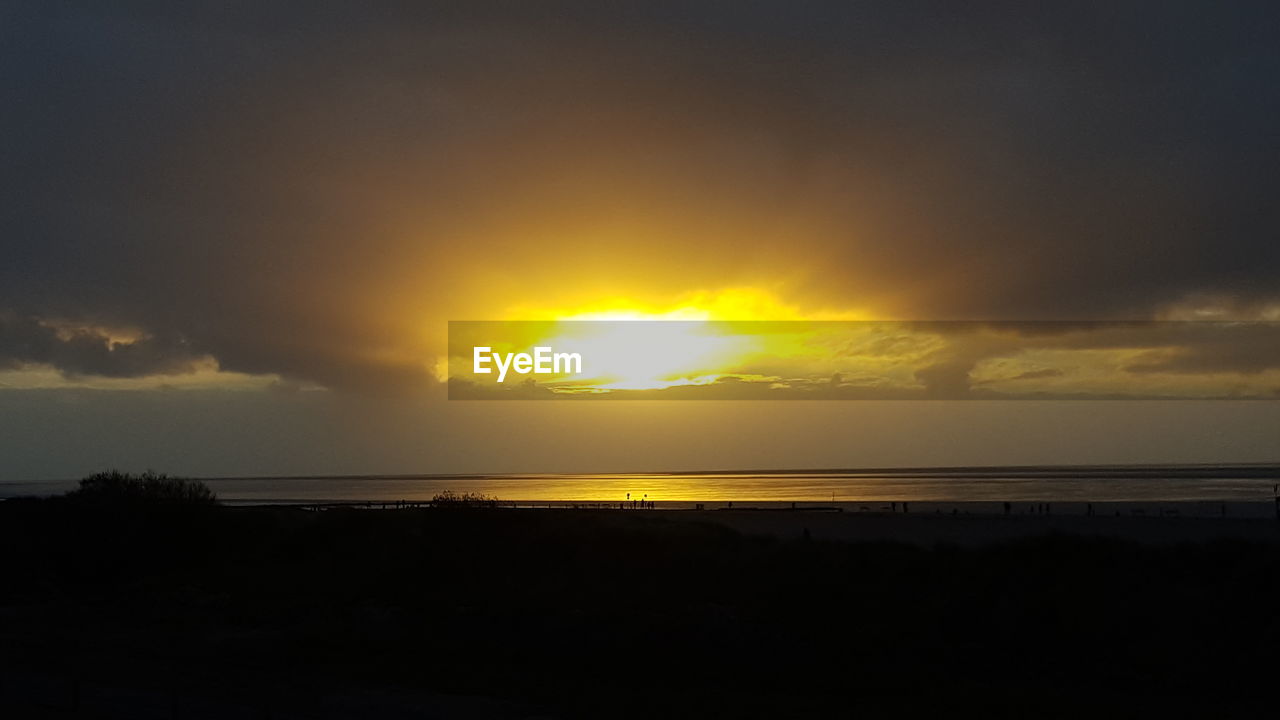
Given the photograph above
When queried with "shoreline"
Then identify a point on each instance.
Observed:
(925, 525)
(1212, 509)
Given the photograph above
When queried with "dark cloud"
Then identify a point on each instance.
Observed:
(1177, 347)
(1189, 348)
(1036, 374)
(88, 351)
(1246, 348)
(298, 188)
(947, 380)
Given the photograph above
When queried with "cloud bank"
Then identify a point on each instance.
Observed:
(313, 189)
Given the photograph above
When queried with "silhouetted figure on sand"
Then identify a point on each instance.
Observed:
(1008, 508)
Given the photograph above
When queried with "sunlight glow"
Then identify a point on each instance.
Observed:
(640, 358)
(735, 303)
(694, 323)
(650, 356)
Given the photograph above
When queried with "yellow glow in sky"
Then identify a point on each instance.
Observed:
(641, 357)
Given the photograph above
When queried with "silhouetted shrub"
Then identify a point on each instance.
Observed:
(449, 498)
(149, 487)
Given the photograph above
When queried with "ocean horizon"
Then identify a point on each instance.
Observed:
(846, 489)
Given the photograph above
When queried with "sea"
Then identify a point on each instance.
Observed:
(1196, 489)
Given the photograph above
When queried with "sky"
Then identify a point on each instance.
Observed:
(233, 233)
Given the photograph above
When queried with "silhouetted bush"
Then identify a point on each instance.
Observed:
(449, 498)
(149, 487)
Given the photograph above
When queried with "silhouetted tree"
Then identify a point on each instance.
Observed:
(149, 487)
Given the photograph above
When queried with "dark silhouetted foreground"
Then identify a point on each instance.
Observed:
(194, 610)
